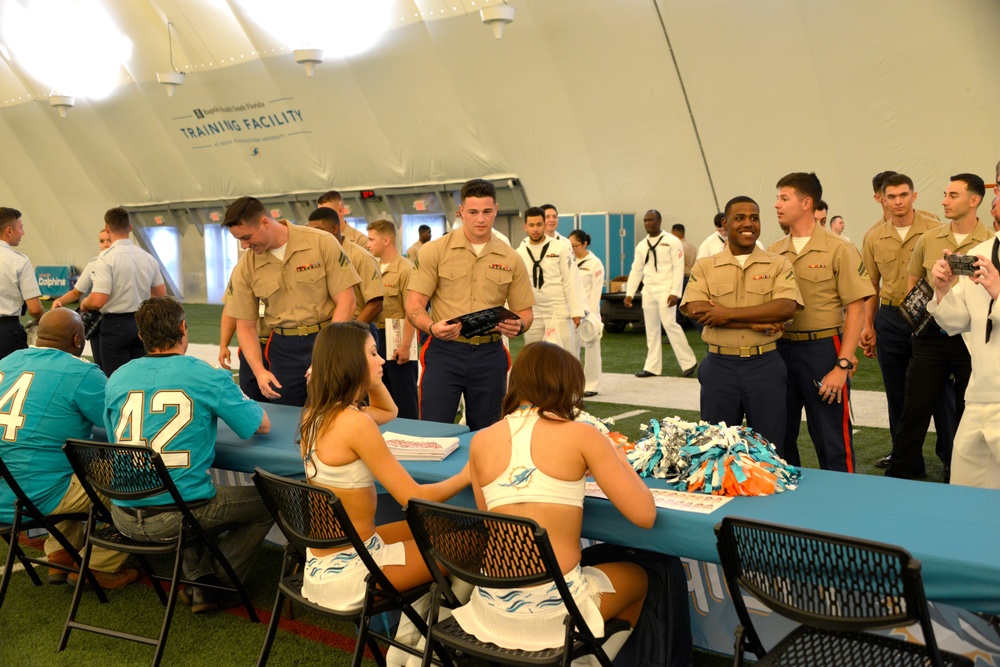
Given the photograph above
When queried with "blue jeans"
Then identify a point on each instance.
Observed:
(239, 505)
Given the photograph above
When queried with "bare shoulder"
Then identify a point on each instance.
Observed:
(490, 434)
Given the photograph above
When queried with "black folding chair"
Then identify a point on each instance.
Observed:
(495, 551)
(836, 587)
(128, 472)
(28, 517)
(313, 517)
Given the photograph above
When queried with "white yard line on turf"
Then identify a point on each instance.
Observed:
(626, 415)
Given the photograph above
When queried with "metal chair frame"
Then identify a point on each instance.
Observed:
(836, 587)
(28, 517)
(495, 551)
(313, 517)
(129, 472)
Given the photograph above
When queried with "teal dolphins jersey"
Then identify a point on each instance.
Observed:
(46, 396)
(171, 403)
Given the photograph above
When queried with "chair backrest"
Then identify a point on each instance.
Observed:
(120, 472)
(820, 579)
(308, 515)
(487, 549)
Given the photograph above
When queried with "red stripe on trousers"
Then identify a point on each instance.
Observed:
(846, 422)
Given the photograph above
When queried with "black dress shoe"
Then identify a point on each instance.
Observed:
(645, 374)
(588, 394)
(690, 371)
(884, 461)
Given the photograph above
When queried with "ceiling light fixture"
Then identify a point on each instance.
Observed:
(173, 78)
(309, 58)
(62, 103)
(497, 17)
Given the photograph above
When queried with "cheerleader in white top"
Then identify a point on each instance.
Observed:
(341, 446)
(592, 276)
(533, 464)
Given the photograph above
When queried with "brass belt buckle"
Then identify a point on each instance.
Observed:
(745, 352)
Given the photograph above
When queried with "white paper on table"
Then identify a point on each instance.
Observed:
(699, 503)
(394, 338)
(414, 448)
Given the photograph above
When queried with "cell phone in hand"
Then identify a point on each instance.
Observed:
(962, 265)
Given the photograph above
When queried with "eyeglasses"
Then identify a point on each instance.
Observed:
(576, 246)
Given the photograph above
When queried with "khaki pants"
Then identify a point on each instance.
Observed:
(76, 500)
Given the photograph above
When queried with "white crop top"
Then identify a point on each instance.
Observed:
(354, 475)
(522, 482)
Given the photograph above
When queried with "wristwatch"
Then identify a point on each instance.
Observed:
(845, 364)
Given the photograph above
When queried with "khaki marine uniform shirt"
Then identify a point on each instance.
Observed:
(830, 275)
(366, 264)
(297, 291)
(352, 234)
(395, 282)
(930, 247)
(887, 258)
(720, 278)
(458, 282)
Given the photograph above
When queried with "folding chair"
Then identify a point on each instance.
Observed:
(495, 551)
(128, 472)
(311, 516)
(28, 517)
(836, 587)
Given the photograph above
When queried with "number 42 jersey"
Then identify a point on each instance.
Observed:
(171, 403)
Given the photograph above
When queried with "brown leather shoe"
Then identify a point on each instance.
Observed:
(109, 581)
(61, 557)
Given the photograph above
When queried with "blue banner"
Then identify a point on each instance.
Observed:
(55, 280)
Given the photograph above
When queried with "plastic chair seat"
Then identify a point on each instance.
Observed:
(811, 647)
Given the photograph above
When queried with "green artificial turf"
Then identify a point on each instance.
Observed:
(32, 618)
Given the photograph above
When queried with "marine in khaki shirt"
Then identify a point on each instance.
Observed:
(887, 257)
(458, 282)
(304, 280)
(818, 346)
(297, 291)
(742, 295)
(461, 272)
(931, 246)
(830, 275)
(367, 293)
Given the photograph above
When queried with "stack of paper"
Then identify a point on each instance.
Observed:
(412, 448)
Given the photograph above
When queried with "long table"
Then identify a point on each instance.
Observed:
(278, 453)
(953, 530)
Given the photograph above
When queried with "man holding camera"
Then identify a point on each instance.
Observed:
(965, 304)
(937, 355)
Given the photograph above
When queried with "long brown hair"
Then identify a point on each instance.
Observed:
(548, 377)
(339, 376)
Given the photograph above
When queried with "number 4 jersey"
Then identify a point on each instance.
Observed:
(46, 396)
(170, 403)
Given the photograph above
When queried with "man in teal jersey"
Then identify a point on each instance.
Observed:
(49, 394)
(171, 402)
